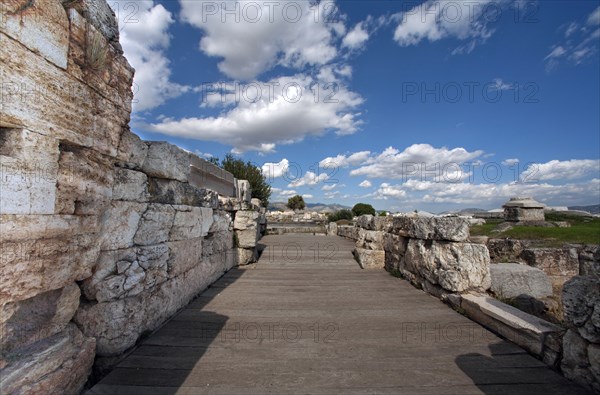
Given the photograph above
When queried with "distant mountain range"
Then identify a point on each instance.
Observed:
(593, 209)
(318, 207)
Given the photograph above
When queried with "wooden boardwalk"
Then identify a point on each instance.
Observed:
(306, 319)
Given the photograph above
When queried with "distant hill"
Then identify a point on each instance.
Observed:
(318, 207)
(464, 211)
(593, 209)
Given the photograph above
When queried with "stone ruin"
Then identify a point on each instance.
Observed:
(523, 209)
(436, 254)
(104, 236)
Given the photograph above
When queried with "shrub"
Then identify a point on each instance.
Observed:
(362, 209)
(296, 203)
(340, 215)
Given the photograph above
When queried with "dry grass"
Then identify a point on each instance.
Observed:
(96, 52)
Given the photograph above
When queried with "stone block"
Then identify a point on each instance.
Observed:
(28, 172)
(27, 321)
(120, 224)
(57, 365)
(247, 238)
(511, 280)
(30, 267)
(581, 304)
(246, 256)
(155, 224)
(132, 150)
(85, 181)
(165, 160)
(130, 185)
(456, 267)
(184, 255)
(370, 259)
(191, 222)
(180, 193)
(46, 36)
(431, 228)
(245, 219)
(553, 261)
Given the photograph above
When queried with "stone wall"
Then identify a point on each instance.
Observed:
(104, 236)
(432, 253)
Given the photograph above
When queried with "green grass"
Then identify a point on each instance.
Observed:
(583, 230)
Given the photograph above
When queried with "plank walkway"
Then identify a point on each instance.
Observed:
(306, 319)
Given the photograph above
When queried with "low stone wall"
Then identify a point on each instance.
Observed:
(432, 253)
(103, 236)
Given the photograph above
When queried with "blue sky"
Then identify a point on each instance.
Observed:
(406, 105)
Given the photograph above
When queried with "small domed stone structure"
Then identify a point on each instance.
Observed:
(523, 209)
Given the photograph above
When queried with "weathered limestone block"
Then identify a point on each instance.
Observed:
(229, 204)
(217, 242)
(111, 272)
(366, 222)
(132, 150)
(247, 238)
(84, 182)
(370, 259)
(504, 250)
(130, 185)
(25, 322)
(120, 223)
(511, 280)
(33, 227)
(47, 36)
(256, 202)
(332, 229)
(181, 193)
(246, 256)
(432, 228)
(589, 261)
(118, 324)
(370, 239)
(90, 120)
(221, 222)
(348, 232)
(575, 363)
(57, 365)
(109, 74)
(245, 219)
(456, 267)
(155, 224)
(394, 243)
(184, 255)
(581, 304)
(165, 160)
(28, 171)
(553, 261)
(102, 17)
(30, 267)
(191, 222)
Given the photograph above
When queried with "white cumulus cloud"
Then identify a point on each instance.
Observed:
(145, 37)
(365, 184)
(562, 170)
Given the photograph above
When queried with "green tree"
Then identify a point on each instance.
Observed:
(248, 171)
(296, 203)
(362, 209)
(383, 213)
(340, 215)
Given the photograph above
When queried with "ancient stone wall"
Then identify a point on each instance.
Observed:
(432, 253)
(104, 236)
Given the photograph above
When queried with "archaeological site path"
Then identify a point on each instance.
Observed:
(306, 319)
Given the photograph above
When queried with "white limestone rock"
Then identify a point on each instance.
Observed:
(431, 228)
(456, 267)
(511, 280)
(155, 224)
(130, 185)
(165, 160)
